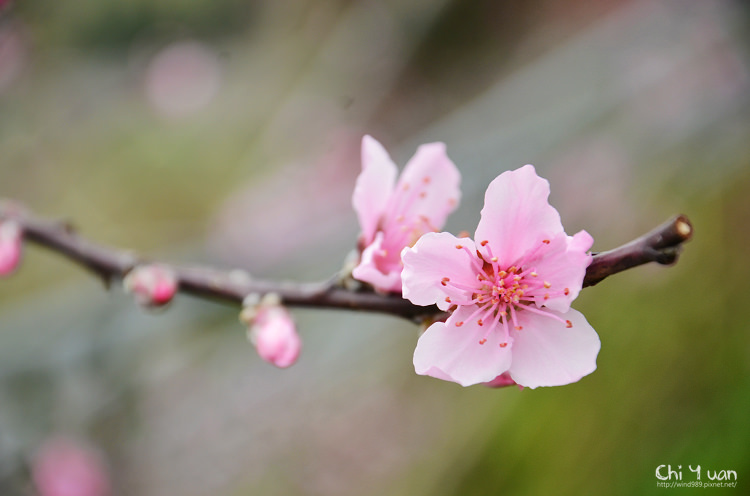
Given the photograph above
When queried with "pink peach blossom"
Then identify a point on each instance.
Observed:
(509, 293)
(152, 285)
(274, 335)
(393, 215)
(10, 247)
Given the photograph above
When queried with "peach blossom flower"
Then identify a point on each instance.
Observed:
(509, 293)
(394, 215)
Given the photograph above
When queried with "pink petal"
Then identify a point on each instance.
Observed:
(433, 258)
(384, 273)
(547, 353)
(516, 216)
(374, 186)
(428, 190)
(453, 353)
(563, 265)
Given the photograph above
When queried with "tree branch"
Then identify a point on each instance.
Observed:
(662, 245)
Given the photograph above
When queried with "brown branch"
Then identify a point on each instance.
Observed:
(661, 245)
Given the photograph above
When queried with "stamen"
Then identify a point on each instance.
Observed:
(503, 345)
(547, 285)
(483, 340)
(445, 281)
(545, 241)
(460, 323)
(568, 324)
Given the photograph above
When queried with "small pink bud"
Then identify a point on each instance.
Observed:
(502, 380)
(10, 247)
(66, 467)
(152, 285)
(274, 335)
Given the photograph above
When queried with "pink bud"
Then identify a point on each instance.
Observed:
(502, 380)
(65, 467)
(274, 335)
(152, 285)
(10, 247)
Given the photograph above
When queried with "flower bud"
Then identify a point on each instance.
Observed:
(503, 380)
(272, 332)
(10, 247)
(152, 285)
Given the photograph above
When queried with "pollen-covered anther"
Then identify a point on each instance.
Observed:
(444, 281)
(546, 241)
(547, 285)
(534, 274)
(448, 299)
(568, 324)
(567, 291)
(518, 328)
(459, 323)
(483, 340)
(493, 259)
(459, 247)
(484, 243)
(546, 296)
(503, 345)
(480, 322)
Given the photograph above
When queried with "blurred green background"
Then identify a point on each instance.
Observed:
(227, 133)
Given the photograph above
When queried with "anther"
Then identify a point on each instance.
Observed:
(546, 296)
(545, 241)
(503, 345)
(460, 323)
(547, 284)
(518, 328)
(568, 324)
(533, 274)
(484, 243)
(406, 187)
(567, 291)
(422, 194)
(459, 247)
(483, 340)
(448, 299)
(480, 322)
(444, 281)
(493, 259)
(426, 180)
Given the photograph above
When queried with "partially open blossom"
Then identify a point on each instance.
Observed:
(67, 467)
(152, 285)
(272, 332)
(393, 215)
(509, 293)
(10, 247)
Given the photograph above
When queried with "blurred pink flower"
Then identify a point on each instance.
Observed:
(273, 333)
(65, 467)
(10, 247)
(509, 293)
(152, 285)
(394, 216)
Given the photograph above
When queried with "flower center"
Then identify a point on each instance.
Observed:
(502, 292)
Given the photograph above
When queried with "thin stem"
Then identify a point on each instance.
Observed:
(662, 245)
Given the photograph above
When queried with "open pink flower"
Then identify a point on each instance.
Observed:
(509, 293)
(395, 215)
